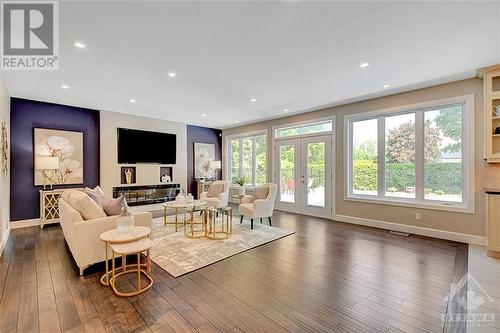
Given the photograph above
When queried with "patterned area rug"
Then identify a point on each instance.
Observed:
(178, 254)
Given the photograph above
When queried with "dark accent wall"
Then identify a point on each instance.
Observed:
(201, 135)
(26, 115)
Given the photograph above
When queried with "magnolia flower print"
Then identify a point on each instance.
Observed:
(69, 168)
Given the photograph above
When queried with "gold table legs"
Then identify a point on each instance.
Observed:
(226, 226)
(176, 219)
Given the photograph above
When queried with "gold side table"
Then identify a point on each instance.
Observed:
(189, 227)
(225, 229)
(116, 236)
(136, 247)
(178, 207)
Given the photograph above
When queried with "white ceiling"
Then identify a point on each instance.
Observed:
(295, 55)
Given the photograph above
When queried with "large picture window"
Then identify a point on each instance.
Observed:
(248, 158)
(420, 156)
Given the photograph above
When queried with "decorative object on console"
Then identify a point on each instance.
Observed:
(204, 153)
(128, 175)
(48, 166)
(241, 181)
(4, 149)
(65, 145)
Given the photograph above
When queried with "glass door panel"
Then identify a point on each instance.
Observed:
(316, 174)
(287, 174)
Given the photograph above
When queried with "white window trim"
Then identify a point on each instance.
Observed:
(302, 123)
(227, 159)
(468, 157)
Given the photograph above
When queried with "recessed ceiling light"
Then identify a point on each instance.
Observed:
(386, 86)
(204, 115)
(79, 45)
(172, 74)
(65, 86)
(253, 100)
(285, 110)
(236, 121)
(364, 65)
(132, 100)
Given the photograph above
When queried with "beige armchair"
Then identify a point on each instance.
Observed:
(260, 206)
(219, 200)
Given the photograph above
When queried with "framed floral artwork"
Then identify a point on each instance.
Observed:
(203, 154)
(68, 147)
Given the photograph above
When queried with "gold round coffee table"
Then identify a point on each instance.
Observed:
(179, 207)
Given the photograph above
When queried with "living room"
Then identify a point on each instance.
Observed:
(278, 166)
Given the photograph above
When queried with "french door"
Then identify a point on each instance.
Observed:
(304, 175)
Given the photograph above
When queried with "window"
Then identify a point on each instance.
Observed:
(314, 128)
(248, 158)
(416, 156)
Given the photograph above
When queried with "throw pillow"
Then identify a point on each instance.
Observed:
(97, 197)
(96, 189)
(113, 206)
(87, 207)
(214, 190)
(261, 192)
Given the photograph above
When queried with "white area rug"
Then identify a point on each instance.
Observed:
(178, 254)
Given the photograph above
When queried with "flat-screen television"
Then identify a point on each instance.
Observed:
(135, 146)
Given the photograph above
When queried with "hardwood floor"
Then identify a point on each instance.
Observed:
(328, 277)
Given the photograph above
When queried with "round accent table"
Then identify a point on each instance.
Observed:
(118, 236)
(179, 208)
(136, 247)
(225, 229)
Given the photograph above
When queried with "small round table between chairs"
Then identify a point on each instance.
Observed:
(125, 242)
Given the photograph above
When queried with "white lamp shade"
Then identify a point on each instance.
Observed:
(215, 165)
(47, 162)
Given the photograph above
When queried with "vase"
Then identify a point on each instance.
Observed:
(241, 191)
(125, 220)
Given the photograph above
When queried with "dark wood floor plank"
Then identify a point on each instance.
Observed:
(328, 277)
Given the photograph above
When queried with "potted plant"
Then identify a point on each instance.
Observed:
(241, 181)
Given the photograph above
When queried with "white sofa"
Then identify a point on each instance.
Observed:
(219, 201)
(82, 235)
(253, 208)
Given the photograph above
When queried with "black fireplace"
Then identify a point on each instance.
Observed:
(147, 194)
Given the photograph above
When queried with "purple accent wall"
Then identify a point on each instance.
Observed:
(200, 135)
(26, 115)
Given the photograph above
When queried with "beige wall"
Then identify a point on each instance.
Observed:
(470, 224)
(4, 180)
(147, 174)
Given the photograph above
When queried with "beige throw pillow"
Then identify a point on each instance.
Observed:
(87, 207)
(214, 190)
(261, 192)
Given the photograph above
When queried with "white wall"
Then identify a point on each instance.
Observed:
(147, 174)
(4, 180)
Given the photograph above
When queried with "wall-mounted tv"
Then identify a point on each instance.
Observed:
(135, 146)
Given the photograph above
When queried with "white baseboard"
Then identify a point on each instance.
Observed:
(24, 223)
(442, 234)
(3, 241)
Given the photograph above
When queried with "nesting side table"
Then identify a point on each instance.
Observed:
(132, 240)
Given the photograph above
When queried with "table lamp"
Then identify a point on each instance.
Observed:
(216, 166)
(45, 164)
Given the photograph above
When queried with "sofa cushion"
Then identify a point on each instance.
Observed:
(113, 206)
(87, 207)
(214, 190)
(261, 192)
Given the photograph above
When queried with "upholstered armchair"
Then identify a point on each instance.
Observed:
(260, 205)
(217, 194)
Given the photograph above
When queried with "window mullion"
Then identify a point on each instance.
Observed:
(240, 161)
(419, 155)
(381, 156)
(254, 166)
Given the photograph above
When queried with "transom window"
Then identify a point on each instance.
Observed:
(248, 159)
(311, 128)
(419, 156)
